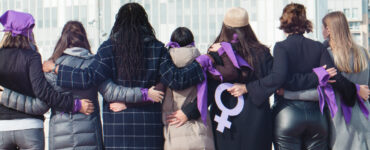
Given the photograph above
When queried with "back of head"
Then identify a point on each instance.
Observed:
(182, 36)
(73, 35)
(18, 28)
(342, 44)
(294, 20)
(237, 30)
(127, 35)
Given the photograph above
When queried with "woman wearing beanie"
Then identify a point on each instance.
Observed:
(240, 58)
(21, 71)
(298, 124)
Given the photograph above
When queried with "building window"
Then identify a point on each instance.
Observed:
(355, 13)
(47, 17)
(356, 37)
(346, 12)
(54, 17)
(354, 25)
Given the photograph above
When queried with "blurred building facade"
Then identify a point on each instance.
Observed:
(357, 14)
(203, 17)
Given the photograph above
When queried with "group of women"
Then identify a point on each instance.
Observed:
(158, 97)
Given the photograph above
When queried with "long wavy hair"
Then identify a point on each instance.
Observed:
(342, 44)
(127, 36)
(247, 46)
(73, 35)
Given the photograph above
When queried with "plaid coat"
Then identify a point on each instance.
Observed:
(138, 127)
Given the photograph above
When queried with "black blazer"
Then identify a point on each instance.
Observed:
(21, 71)
(294, 59)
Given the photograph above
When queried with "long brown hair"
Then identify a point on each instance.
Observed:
(342, 44)
(248, 46)
(18, 41)
(73, 35)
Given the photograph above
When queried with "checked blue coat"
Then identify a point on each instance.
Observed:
(137, 127)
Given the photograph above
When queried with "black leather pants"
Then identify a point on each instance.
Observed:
(299, 125)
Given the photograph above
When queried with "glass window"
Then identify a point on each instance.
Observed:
(346, 12)
(54, 17)
(107, 17)
(11, 4)
(83, 15)
(179, 13)
(163, 15)
(68, 13)
(47, 17)
(18, 4)
(25, 6)
(355, 13)
(5, 5)
(76, 13)
(40, 15)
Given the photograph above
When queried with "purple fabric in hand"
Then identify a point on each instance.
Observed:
(326, 91)
(145, 97)
(77, 106)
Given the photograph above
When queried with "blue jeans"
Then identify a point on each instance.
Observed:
(29, 139)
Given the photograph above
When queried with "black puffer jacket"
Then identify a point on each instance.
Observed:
(21, 71)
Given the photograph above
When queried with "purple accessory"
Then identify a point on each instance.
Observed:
(347, 111)
(77, 106)
(18, 23)
(235, 38)
(325, 91)
(206, 63)
(145, 97)
(177, 45)
(236, 59)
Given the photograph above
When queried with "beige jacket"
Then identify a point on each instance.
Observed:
(193, 135)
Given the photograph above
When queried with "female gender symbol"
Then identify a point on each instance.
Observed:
(222, 120)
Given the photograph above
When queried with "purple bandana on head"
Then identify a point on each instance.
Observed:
(176, 45)
(18, 23)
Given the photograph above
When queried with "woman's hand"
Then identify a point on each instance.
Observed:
(48, 66)
(177, 118)
(238, 90)
(214, 47)
(364, 92)
(87, 107)
(155, 95)
(117, 106)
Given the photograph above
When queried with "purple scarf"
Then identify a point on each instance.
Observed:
(347, 111)
(326, 92)
(329, 96)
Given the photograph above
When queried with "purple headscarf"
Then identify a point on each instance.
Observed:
(18, 23)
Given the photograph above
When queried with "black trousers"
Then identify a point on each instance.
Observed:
(299, 125)
(30, 139)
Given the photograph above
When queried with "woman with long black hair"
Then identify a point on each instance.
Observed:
(132, 57)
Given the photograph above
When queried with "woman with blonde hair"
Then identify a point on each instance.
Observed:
(350, 126)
